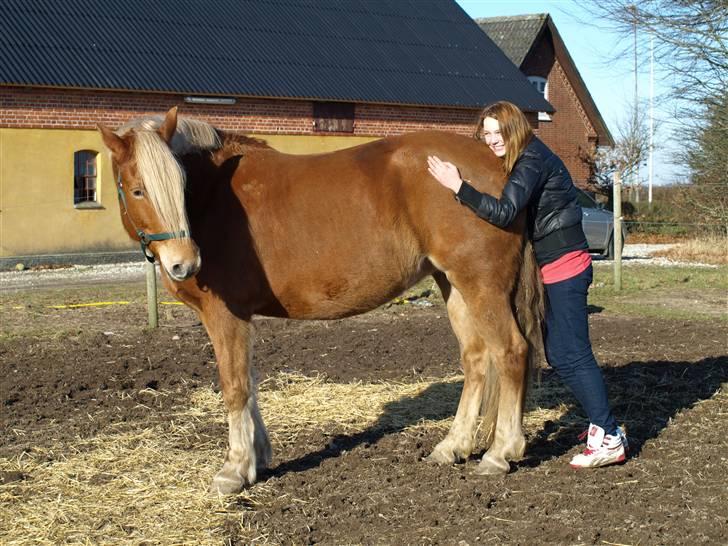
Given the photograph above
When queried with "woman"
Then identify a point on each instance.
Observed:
(538, 179)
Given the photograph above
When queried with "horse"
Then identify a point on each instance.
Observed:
(240, 229)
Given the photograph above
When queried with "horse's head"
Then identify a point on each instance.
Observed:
(151, 187)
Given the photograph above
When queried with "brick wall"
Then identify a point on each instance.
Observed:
(76, 109)
(569, 134)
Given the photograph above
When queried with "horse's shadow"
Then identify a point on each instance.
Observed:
(644, 396)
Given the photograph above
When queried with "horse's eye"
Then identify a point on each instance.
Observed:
(138, 193)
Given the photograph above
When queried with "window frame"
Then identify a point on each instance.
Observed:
(333, 117)
(536, 81)
(86, 169)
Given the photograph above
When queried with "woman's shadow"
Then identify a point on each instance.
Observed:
(644, 396)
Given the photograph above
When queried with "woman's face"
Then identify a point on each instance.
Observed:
(493, 137)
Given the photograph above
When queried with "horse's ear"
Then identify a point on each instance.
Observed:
(169, 125)
(113, 141)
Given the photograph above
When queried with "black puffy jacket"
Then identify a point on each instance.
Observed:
(540, 181)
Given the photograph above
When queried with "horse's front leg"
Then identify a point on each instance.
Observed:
(249, 446)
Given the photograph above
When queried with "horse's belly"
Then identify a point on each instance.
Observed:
(335, 292)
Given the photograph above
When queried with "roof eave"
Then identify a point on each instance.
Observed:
(250, 96)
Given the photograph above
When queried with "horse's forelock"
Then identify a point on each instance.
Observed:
(158, 168)
(163, 179)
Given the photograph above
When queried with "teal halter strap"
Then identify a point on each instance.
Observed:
(146, 238)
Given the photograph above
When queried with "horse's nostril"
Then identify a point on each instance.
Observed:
(178, 270)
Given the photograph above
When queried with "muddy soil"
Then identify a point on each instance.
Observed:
(92, 366)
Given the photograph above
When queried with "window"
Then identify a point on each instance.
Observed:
(542, 86)
(333, 117)
(84, 177)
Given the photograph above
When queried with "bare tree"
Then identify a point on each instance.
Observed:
(691, 45)
(691, 40)
(631, 147)
(708, 161)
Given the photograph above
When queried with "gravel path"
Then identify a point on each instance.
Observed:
(77, 274)
(124, 272)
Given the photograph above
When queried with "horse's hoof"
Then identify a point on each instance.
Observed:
(443, 455)
(490, 466)
(438, 458)
(224, 484)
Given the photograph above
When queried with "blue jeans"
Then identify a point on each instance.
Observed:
(569, 351)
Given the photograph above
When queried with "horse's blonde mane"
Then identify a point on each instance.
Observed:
(190, 135)
(157, 166)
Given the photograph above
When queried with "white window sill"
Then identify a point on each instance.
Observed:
(88, 205)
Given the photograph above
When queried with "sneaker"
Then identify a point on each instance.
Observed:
(601, 449)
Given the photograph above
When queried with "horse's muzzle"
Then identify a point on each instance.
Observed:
(181, 271)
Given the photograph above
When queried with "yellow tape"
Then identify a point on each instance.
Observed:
(94, 304)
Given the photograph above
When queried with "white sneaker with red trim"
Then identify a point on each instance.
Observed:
(601, 449)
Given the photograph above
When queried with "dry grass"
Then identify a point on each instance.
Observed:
(148, 485)
(638, 237)
(709, 250)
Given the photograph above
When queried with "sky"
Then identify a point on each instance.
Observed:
(611, 83)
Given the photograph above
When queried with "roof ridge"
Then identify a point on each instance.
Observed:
(524, 17)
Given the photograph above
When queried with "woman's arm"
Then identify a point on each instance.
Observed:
(522, 183)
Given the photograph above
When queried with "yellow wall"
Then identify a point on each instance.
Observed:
(37, 214)
(293, 144)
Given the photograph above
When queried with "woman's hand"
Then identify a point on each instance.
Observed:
(445, 173)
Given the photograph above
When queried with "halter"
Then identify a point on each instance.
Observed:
(146, 238)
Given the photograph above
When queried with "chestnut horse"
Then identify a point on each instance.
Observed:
(240, 229)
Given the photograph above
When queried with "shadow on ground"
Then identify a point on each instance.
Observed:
(644, 396)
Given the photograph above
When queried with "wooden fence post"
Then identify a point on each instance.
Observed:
(152, 295)
(617, 232)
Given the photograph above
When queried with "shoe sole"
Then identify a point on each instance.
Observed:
(618, 460)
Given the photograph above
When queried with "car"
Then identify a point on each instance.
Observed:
(598, 224)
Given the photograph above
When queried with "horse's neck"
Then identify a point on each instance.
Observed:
(202, 173)
(209, 173)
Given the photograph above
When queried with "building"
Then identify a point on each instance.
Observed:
(306, 76)
(576, 128)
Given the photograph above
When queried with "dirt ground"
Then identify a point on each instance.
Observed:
(70, 374)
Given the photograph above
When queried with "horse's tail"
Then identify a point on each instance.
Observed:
(528, 303)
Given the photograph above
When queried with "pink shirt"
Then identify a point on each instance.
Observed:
(566, 267)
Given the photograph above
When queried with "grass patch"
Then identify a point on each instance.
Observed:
(677, 292)
(75, 294)
(57, 312)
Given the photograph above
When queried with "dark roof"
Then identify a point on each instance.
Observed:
(514, 34)
(517, 35)
(418, 52)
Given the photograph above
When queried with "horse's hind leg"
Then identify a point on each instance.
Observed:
(249, 446)
(508, 352)
(458, 444)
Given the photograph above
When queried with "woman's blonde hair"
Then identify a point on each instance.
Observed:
(514, 128)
